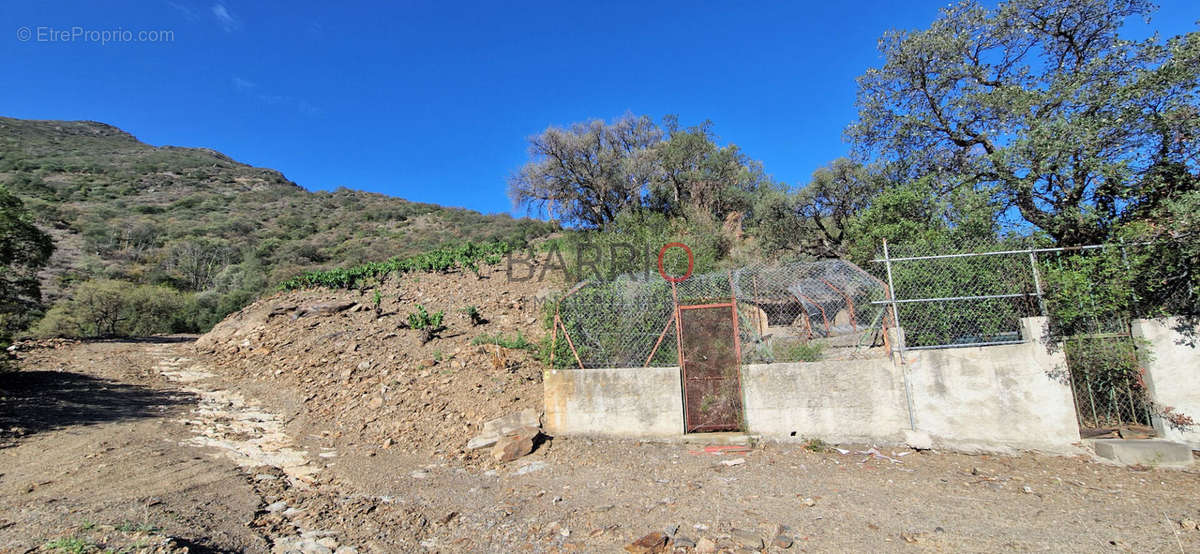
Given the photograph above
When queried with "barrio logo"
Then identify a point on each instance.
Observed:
(592, 261)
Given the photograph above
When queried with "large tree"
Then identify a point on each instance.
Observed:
(24, 250)
(593, 171)
(590, 172)
(1044, 104)
(695, 173)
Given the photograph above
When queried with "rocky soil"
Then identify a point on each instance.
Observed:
(371, 383)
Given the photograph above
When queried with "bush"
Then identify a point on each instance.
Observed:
(111, 308)
(429, 324)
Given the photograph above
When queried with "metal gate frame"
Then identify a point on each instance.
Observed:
(737, 347)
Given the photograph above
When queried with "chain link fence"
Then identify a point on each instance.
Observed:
(799, 311)
(947, 298)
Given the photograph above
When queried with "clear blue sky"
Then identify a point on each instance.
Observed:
(433, 101)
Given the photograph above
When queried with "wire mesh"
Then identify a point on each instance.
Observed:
(960, 299)
(957, 297)
(799, 311)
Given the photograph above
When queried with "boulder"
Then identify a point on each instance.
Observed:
(509, 423)
(527, 420)
(511, 447)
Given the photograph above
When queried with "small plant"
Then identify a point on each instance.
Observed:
(132, 527)
(518, 342)
(1178, 421)
(437, 356)
(73, 545)
(799, 352)
(429, 324)
(377, 300)
(817, 445)
(474, 316)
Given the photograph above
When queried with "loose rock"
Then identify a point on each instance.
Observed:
(653, 543)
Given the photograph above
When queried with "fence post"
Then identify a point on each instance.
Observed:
(1037, 283)
(887, 262)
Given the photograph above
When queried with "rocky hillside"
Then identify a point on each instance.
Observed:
(362, 372)
(200, 222)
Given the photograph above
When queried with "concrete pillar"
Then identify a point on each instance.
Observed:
(1172, 366)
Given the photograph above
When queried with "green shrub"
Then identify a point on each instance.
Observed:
(519, 342)
(429, 324)
(473, 314)
(110, 308)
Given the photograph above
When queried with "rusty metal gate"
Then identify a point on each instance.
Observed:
(710, 357)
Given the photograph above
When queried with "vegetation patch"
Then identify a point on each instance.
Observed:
(467, 255)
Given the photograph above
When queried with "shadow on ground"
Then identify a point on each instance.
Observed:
(36, 401)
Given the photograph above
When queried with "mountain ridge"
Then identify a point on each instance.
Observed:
(198, 221)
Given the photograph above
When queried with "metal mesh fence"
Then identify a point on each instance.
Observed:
(960, 299)
(1089, 295)
(787, 312)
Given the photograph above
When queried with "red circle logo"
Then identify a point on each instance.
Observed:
(691, 262)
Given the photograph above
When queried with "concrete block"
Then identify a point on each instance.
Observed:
(918, 440)
(1153, 453)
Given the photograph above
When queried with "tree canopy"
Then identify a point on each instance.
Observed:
(591, 172)
(24, 250)
(1043, 104)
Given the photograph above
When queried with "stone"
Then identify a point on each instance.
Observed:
(323, 308)
(530, 468)
(748, 539)
(509, 423)
(481, 442)
(918, 440)
(509, 448)
(706, 546)
(681, 541)
(653, 543)
(670, 530)
(1148, 452)
(525, 423)
(1188, 524)
(276, 507)
(346, 550)
(782, 541)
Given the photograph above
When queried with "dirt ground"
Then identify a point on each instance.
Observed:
(144, 446)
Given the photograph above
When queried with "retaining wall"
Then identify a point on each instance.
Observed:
(1173, 372)
(980, 398)
(626, 402)
(1015, 395)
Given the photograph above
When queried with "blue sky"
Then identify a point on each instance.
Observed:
(433, 101)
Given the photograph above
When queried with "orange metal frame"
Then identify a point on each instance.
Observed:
(737, 342)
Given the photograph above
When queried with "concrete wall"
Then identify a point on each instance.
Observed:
(836, 401)
(1014, 395)
(992, 397)
(628, 402)
(1173, 372)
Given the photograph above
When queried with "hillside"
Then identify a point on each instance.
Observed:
(202, 223)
